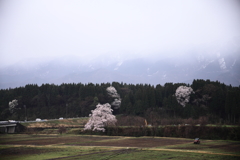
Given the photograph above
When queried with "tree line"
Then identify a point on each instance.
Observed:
(215, 100)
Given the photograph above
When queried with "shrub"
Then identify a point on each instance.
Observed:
(62, 130)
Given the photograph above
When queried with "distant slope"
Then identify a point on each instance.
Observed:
(225, 69)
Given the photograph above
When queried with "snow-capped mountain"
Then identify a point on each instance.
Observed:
(217, 66)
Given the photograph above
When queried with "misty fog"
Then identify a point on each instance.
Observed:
(93, 35)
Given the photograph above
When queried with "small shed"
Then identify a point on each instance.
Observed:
(11, 127)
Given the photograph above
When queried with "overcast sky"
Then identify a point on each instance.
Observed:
(87, 28)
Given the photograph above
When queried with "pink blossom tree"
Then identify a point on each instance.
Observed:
(102, 116)
(183, 94)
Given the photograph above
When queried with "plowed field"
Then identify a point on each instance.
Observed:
(76, 146)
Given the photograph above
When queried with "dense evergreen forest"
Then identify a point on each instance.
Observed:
(216, 101)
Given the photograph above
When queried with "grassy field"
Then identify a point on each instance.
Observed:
(53, 146)
(81, 121)
(74, 122)
(47, 143)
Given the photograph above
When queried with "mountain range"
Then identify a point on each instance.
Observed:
(219, 66)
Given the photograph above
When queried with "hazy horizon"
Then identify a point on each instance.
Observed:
(130, 41)
(51, 29)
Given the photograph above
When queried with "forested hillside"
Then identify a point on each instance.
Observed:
(216, 101)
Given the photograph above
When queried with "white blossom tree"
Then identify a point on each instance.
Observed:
(102, 116)
(183, 94)
(112, 92)
(12, 105)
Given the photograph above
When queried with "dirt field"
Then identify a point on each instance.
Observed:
(25, 151)
(143, 142)
(136, 142)
(223, 146)
(51, 140)
(100, 141)
(28, 145)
